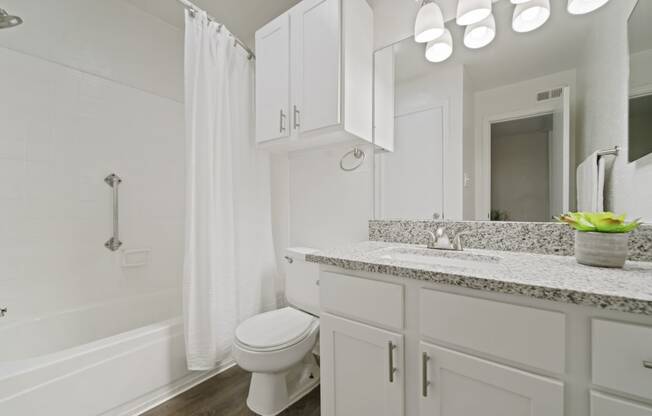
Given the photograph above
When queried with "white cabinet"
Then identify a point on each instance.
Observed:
(362, 370)
(315, 64)
(329, 68)
(456, 384)
(622, 357)
(273, 77)
(605, 405)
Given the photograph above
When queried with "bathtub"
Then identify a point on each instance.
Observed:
(115, 358)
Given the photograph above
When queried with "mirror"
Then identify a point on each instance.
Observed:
(640, 81)
(498, 133)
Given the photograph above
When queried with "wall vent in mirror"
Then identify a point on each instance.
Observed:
(547, 95)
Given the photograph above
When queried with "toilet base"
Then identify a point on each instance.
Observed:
(271, 393)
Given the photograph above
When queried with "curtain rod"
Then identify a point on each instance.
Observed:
(194, 9)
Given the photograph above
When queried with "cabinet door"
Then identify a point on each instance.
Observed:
(315, 68)
(362, 371)
(456, 384)
(273, 80)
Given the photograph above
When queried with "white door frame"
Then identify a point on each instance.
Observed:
(543, 109)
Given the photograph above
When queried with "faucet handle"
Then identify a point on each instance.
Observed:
(457, 240)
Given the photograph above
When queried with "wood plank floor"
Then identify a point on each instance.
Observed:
(225, 395)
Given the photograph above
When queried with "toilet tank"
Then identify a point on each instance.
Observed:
(302, 280)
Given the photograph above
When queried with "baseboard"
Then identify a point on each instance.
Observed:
(165, 393)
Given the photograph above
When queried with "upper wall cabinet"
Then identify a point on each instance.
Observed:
(314, 75)
(273, 80)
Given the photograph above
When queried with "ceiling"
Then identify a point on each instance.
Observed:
(241, 17)
(512, 57)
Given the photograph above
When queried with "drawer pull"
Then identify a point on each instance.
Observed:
(424, 374)
(647, 364)
(392, 369)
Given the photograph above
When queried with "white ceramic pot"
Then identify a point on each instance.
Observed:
(601, 249)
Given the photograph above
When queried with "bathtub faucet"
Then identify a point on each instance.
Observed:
(3, 311)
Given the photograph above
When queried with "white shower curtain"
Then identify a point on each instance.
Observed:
(229, 265)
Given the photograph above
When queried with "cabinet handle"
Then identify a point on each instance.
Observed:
(297, 121)
(282, 122)
(392, 369)
(647, 364)
(424, 374)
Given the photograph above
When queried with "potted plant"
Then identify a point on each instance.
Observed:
(601, 238)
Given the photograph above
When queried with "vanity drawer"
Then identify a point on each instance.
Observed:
(367, 300)
(529, 336)
(604, 405)
(621, 356)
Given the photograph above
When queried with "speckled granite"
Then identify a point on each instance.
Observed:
(528, 237)
(555, 278)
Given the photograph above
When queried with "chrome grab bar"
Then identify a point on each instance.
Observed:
(114, 242)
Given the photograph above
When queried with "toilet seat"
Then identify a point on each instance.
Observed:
(275, 330)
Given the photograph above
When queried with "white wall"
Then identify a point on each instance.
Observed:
(328, 207)
(641, 70)
(88, 88)
(505, 101)
(603, 80)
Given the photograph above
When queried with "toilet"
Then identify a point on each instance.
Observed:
(277, 347)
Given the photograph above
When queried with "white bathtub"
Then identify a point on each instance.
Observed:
(115, 358)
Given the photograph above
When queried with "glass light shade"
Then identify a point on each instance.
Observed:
(472, 11)
(440, 49)
(531, 15)
(519, 1)
(584, 6)
(429, 24)
(480, 34)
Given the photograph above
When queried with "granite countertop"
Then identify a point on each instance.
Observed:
(549, 277)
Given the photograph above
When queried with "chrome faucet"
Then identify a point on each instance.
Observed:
(439, 240)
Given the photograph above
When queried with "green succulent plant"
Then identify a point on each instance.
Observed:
(599, 222)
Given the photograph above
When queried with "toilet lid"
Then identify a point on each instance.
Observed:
(279, 328)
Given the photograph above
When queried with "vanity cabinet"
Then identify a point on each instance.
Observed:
(362, 371)
(466, 352)
(314, 75)
(457, 384)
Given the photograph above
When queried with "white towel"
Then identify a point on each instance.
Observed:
(590, 184)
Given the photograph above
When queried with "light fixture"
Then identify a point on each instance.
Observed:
(584, 6)
(472, 11)
(531, 15)
(429, 24)
(440, 49)
(480, 34)
(7, 20)
(519, 1)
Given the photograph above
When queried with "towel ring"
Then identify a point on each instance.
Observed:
(358, 154)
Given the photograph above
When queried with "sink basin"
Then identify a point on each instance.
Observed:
(443, 258)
